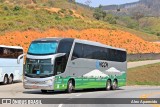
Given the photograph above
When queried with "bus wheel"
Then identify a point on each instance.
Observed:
(70, 87)
(108, 85)
(114, 85)
(10, 79)
(44, 91)
(5, 80)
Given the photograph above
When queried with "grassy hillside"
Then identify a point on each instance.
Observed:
(144, 75)
(22, 18)
(150, 25)
(42, 15)
(146, 25)
(144, 35)
(142, 16)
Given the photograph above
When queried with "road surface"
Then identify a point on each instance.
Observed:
(141, 63)
(16, 90)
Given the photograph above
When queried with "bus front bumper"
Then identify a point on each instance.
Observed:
(39, 83)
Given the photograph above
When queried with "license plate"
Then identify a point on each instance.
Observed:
(34, 86)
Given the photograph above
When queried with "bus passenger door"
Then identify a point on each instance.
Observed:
(60, 65)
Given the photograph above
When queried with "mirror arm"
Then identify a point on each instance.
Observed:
(55, 56)
(19, 57)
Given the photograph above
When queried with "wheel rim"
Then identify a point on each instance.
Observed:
(10, 79)
(108, 85)
(70, 87)
(5, 80)
(115, 84)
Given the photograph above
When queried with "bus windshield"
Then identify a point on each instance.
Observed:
(39, 68)
(43, 48)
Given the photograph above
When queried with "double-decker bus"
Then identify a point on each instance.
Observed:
(11, 64)
(72, 64)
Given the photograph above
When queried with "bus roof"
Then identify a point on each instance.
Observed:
(51, 39)
(79, 41)
(15, 47)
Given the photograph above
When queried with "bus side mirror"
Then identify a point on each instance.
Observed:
(55, 56)
(19, 57)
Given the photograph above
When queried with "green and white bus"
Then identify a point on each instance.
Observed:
(72, 64)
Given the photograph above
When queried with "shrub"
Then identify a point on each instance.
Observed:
(99, 14)
(68, 18)
(16, 8)
(57, 18)
(70, 12)
(129, 22)
(158, 34)
(5, 8)
(110, 18)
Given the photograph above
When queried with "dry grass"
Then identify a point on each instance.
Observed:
(144, 75)
(116, 38)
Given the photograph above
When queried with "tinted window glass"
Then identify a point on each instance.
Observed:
(60, 65)
(88, 51)
(116, 55)
(78, 51)
(65, 46)
(10, 52)
(42, 48)
(95, 52)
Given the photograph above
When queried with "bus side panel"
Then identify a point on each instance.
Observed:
(121, 80)
(60, 83)
(10, 66)
(86, 73)
(119, 70)
(18, 72)
(1, 74)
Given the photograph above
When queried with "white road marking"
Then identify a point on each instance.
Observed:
(60, 105)
(78, 95)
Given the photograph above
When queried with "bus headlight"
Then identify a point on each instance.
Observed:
(49, 81)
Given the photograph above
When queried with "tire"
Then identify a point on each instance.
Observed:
(108, 85)
(70, 87)
(10, 79)
(44, 91)
(114, 85)
(5, 80)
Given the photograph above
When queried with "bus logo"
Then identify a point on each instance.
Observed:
(101, 64)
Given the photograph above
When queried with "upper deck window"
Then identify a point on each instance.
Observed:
(43, 48)
(7, 52)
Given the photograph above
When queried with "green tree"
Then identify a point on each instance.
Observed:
(99, 14)
(110, 18)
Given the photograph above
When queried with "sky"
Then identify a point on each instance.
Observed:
(96, 3)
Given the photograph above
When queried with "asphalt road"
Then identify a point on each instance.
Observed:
(16, 90)
(141, 63)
